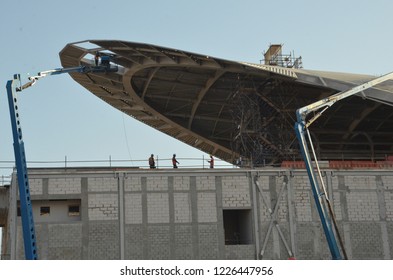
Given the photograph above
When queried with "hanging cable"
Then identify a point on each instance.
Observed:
(125, 135)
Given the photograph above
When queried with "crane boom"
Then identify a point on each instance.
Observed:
(327, 102)
(13, 86)
(302, 133)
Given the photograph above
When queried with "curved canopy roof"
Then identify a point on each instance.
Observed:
(234, 109)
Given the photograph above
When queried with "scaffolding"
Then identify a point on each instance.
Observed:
(263, 124)
(274, 56)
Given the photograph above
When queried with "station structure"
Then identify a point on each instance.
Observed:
(243, 113)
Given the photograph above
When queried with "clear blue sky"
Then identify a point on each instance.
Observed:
(60, 118)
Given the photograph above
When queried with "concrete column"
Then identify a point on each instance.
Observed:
(45, 187)
(12, 214)
(347, 240)
(171, 201)
(274, 199)
(343, 198)
(120, 186)
(385, 241)
(255, 211)
(382, 216)
(145, 237)
(43, 241)
(220, 219)
(381, 197)
(291, 212)
(85, 218)
(194, 217)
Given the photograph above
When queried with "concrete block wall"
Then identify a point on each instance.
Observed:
(157, 208)
(133, 208)
(140, 214)
(36, 186)
(102, 206)
(362, 201)
(175, 216)
(182, 207)
(64, 186)
(236, 192)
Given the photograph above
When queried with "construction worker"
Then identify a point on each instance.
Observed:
(174, 161)
(211, 161)
(152, 163)
(96, 58)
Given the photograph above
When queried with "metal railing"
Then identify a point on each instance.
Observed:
(196, 163)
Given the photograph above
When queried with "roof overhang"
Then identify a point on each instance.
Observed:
(232, 109)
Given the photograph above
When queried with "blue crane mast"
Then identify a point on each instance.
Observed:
(314, 173)
(13, 86)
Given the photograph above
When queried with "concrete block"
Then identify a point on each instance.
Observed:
(157, 208)
(159, 183)
(36, 187)
(182, 205)
(207, 207)
(103, 207)
(360, 182)
(133, 208)
(363, 206)
(133, 184)
(205, 183)
(102, 184)
(181, 183)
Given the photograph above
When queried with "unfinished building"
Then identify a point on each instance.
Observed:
(243, 113)
(109, 213)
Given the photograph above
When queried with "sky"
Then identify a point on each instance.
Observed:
(62, 120)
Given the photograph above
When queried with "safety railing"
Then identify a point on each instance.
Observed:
(164, 162)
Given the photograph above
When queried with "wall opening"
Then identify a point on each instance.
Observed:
(238, 226)
(58, 210)
(44, 210)
(74, 210)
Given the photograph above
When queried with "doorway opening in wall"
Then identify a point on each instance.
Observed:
(237, 226)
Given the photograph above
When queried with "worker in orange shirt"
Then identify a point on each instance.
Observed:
(211, 161)
(174, 161)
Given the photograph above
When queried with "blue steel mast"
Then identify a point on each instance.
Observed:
(29, 236)
(301, 128)
(26, 210)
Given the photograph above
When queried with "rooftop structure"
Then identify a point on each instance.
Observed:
(232, 109)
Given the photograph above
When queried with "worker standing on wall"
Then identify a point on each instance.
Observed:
(152, 163)
(211, 161)
(96, 58)
(174, 161)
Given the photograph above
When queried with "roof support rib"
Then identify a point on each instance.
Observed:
(362, 116)
(151, 75)
(210, 82)
(370, 141)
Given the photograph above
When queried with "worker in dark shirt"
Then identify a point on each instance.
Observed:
(174, 161)
(152, 163)
(96, 58)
